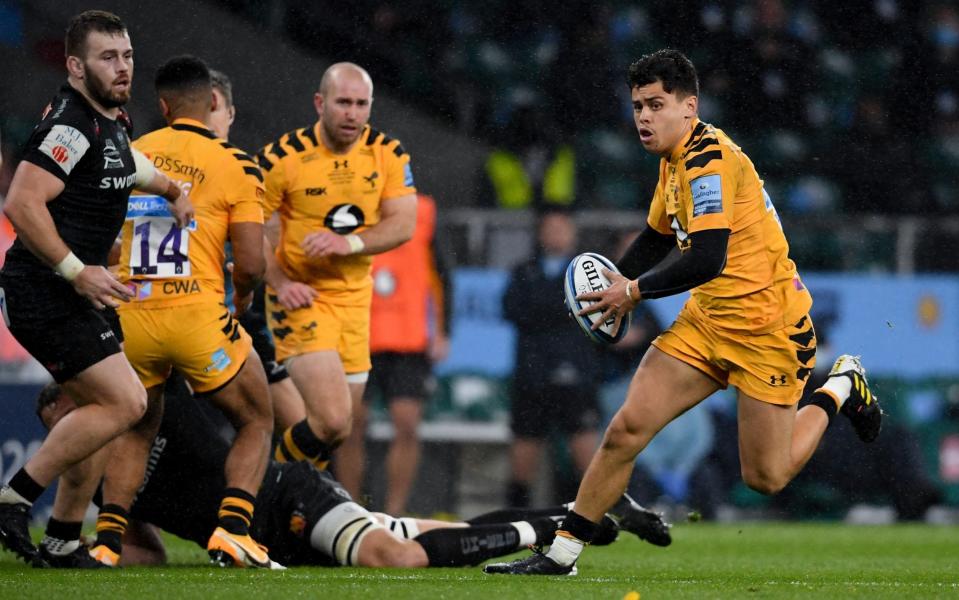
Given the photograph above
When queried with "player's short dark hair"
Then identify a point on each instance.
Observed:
(183, 73)
(91, 20)
(221, 82)
(671, 67)
(47, 396)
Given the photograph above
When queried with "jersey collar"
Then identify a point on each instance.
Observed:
(193, 122)
(684, 143)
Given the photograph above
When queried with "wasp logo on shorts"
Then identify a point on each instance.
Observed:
(282, 332)
(344, 218)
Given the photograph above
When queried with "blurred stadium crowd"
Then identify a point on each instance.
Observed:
(847, 107)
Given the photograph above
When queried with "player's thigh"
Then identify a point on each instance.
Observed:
(354, 343)
(765, 437)
(773, 367)
(315, 328)
(320, 379)
(246, 396)
(144, 332)
(663, 388)
(207, 345)
(111, 383)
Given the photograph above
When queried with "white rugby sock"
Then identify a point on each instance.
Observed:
(527, 535)
(840, 387)
(565, 550)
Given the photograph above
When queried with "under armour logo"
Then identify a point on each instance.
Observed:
(371, 178)
(773, 378)
(336, 164)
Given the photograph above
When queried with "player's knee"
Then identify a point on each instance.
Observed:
(337, 428)
(624, 437)
(765, 481)
(133, 406)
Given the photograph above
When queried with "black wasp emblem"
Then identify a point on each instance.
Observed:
(371, 178)
(345, 164)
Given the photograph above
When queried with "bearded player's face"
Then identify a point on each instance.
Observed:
(108, 68)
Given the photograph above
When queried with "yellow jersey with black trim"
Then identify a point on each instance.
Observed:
(709, 183)
(166, 265)
(315, 190)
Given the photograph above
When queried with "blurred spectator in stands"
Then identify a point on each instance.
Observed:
(555, 377)
(775, 76)
(532, 167)
(870, 166)
(409, 333)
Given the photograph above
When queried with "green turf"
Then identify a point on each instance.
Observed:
(770, 560)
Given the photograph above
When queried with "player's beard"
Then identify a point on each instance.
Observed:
(335, 135)
(102, 92)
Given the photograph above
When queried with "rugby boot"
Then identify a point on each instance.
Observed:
(80, 558)
(103, 554)
(645, 524)
(534, 564)
(227, 549)
(15, 530)
(861, 407)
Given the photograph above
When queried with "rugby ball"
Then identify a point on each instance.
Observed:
(585, 274)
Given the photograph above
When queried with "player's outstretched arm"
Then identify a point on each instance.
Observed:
(26, 207)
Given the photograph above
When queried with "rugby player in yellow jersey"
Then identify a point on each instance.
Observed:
(177, 317)
(746, 323)
(343, 191)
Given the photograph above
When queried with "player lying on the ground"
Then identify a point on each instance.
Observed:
(304, 516)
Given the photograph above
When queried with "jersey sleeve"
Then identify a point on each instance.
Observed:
(657, 211)
(244, 192)
(399, 173)
(59, 142)
(712, 176)
(274, 179)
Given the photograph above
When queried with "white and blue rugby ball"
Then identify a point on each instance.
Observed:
(585, 274)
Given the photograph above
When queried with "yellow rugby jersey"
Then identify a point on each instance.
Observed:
(314, 190)
(165, 264)
(709, 183)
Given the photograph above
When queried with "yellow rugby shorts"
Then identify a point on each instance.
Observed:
(772, 367)
(320, 327)
(203, 341)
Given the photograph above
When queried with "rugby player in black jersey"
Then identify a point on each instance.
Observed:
(303, 515)
(67, 201)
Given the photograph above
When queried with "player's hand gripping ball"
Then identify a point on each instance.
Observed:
(585, 274)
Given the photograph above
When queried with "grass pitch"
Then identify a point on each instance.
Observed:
(768, 560)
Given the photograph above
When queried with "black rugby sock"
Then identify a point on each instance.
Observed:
(62, 537)
(111, 525)
(25, 485)
(300, 443)
(826, 402)
(462, 546)
(236, 511)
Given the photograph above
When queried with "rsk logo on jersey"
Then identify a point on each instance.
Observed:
(111, 156)
(344, 218)
(65, 145)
